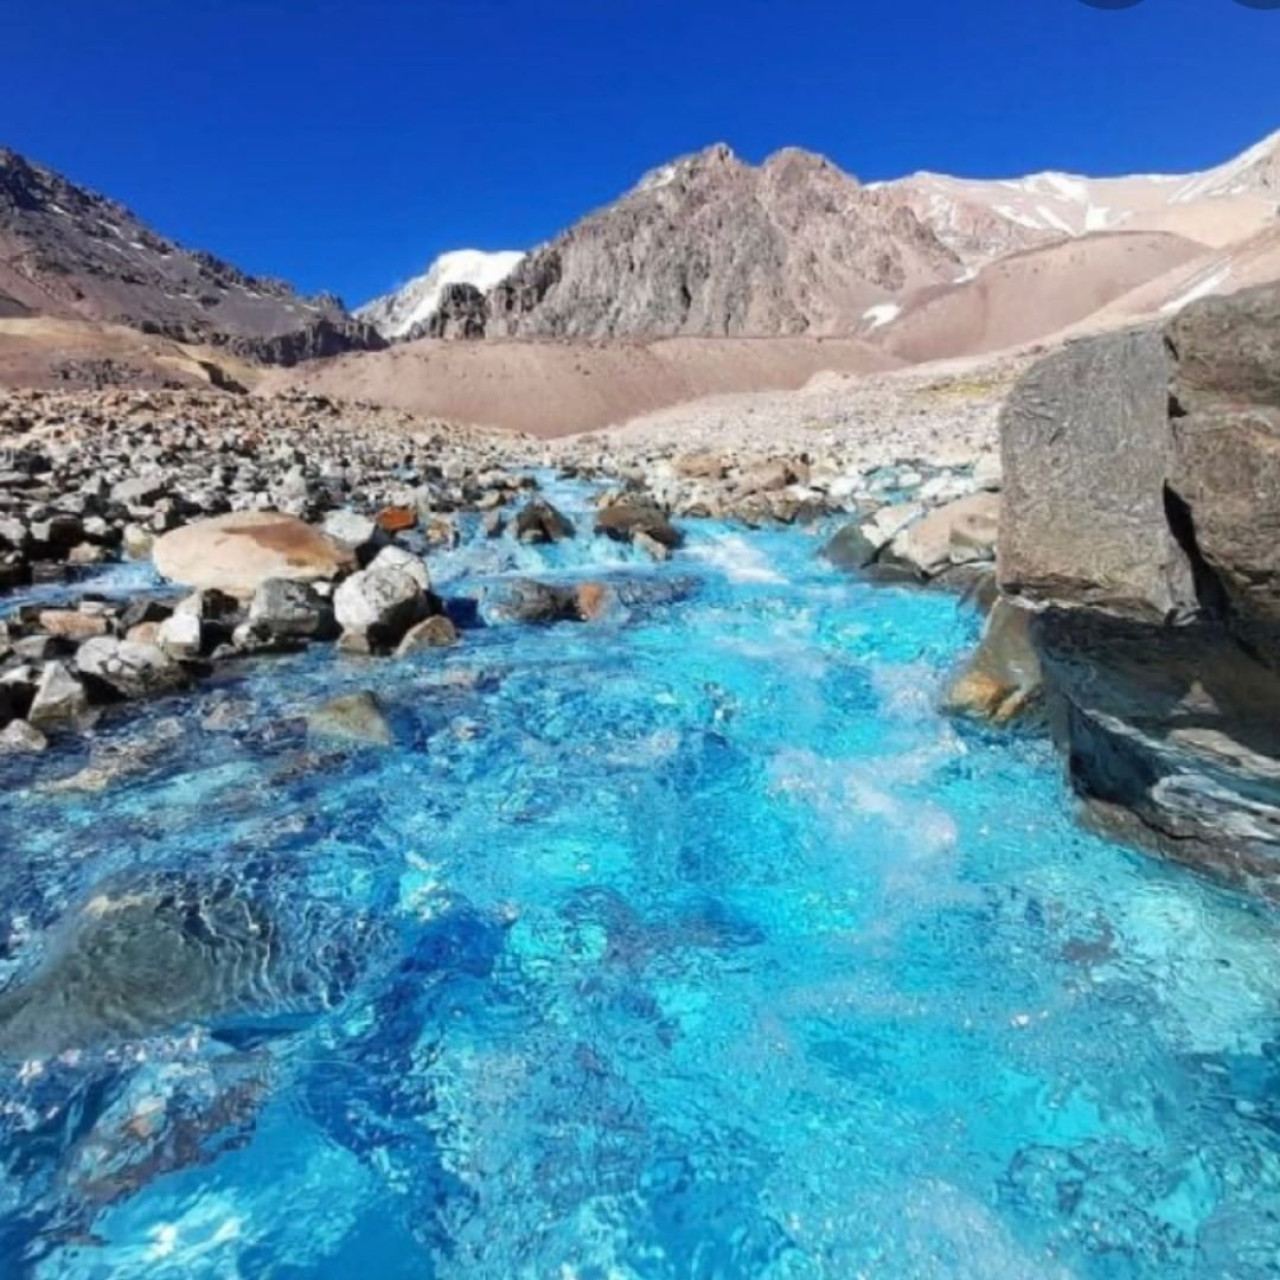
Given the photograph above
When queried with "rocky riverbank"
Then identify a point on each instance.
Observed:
(279, 523)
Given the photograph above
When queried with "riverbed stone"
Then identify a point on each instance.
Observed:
(960, 532)
(127, 668)
(18, 738)
(284, 609)
(380, 603)
(73, 624)
(180, 635)
(352, 717)
(850, 548)
(436, 632)
(1002, 681)
(60, 702)
(623, 518)
(237, 552)
(539, 521)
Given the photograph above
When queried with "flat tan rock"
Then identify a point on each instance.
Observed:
(238, 552)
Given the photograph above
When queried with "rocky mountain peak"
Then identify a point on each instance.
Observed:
(711, 245)
(72, 254)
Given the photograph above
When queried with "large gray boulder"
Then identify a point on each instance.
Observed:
(380, 603)
(1087, 450)
(1142, 518)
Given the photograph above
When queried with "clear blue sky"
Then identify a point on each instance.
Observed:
(343, 143)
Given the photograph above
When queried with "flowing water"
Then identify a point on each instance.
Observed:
(691, 944)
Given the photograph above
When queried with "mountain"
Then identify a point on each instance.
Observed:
(982, 219)
(1031, 295)
(70, 254)
(396, 314)
(711, 246)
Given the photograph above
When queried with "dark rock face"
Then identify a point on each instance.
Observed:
(325, 336)
(1087, 450)
(1174, 739)
(1142, 517)
(461, 313)
(71, 253)
(1225, 485)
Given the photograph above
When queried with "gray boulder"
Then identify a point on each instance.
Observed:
(127, 668)
(850, 548)
(18, 738)
(1224, 485)
(961, 532)
(359, 533)
(282, 609)
(623, 519)
(181, 635)
(539, 521)
(1173, 742)
(380, 603)
(61, 701)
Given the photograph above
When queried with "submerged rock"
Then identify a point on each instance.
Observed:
(526, 600)
(353, 717)
(150, 955)
(432, 633)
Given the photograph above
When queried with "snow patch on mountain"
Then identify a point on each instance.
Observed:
(394, 314)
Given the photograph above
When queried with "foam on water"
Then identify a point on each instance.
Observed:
(704, 948)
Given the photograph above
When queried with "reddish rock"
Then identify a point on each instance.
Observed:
(397, 519)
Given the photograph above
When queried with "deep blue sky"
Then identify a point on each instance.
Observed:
(342, 143)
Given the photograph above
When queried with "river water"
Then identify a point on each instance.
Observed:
(694, 943)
